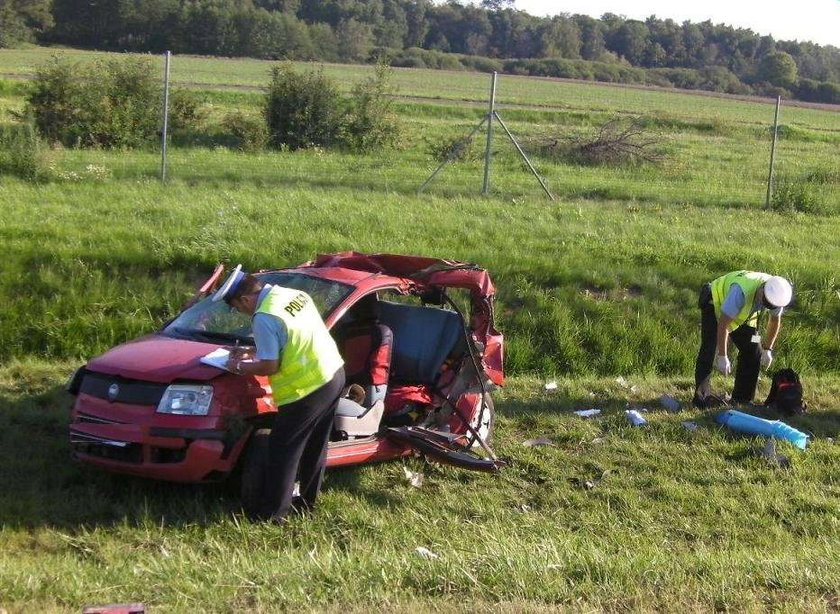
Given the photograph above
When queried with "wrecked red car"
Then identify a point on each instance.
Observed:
(417, 336)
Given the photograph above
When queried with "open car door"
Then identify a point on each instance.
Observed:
(442, 447)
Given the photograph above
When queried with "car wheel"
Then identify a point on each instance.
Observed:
(483, 421)
(253, 471)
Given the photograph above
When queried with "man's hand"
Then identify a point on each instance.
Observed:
(766, 358)
(723, 365)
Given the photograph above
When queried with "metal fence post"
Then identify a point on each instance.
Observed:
(165, 130)
(488, 154)
(773, 154)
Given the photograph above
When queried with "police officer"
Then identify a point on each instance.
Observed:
(306, 372)
(729, 307)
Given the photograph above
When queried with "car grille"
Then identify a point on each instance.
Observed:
(134, 392)
(82, 443)
(91, 419)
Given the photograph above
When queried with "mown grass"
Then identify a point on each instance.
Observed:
(598, 284)
(674, 520)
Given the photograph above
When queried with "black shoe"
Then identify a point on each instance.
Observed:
(710, 401)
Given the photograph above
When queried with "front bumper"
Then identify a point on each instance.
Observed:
(106, 436)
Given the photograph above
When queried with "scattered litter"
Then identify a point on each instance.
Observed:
(415, 478)
(589, 484)
(769, 453)
(591, 395)
(622, 382)
(425, 553)
(634, 417)
(670, 403)
(552, 385)
(830, 439)
(539, 441)
(634, 389)
(598, 440)
(587, 413)
(524, 508)
(689, 425)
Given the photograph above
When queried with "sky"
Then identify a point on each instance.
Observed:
(804, 20)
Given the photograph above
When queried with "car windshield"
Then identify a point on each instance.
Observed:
(218, 323)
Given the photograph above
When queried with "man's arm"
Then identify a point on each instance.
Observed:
(254, 367)
(774, 324)
(723, 334)
(270, 337)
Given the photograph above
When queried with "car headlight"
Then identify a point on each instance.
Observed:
(186, 400)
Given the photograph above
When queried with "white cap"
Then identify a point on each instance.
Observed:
(778, 291)
(230, 284)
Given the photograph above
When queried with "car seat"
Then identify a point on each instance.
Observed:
(366, 346)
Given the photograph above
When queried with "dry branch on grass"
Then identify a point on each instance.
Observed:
(617, 142)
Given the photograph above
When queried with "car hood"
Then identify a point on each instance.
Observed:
(157, 358)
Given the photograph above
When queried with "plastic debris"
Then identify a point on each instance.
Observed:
(539, 441)
(597, 440)
(634, 417)
(634, 389)
(587, 413)
(670, 403)
(415, 478)
(552, 385)
(769, 453)
(753, 425)
(622, 382)
(524, 508)
(425, 553)
(689, 425)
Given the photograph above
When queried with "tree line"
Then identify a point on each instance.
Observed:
(490, 35)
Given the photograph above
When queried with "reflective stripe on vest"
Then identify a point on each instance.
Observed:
(310, 357)
(749, 282)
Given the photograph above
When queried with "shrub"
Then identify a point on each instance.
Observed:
(250, 133)
(458, 148)
(302, 109)
(113, 103)
(187, 110)
(791, 195)
(22, 153)
(371, 122)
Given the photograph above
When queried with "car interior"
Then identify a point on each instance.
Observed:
(396, 352)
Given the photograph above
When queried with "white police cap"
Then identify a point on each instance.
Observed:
(230, 285)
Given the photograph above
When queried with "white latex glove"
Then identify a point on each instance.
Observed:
(723, 365)
(766, 358)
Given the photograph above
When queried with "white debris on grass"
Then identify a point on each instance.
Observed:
(415, 478)
(425, 553)
(670, 403)
(587, 413)
(622, 382)
(634, 417)
(689, 425)
(552, 385)
(539, 441)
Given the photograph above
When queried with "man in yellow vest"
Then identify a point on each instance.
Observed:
(295, 350)
(730, 307)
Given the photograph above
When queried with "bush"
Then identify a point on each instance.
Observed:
(457, 148)
(114, 103)
(22, 153)
(187, 110)
(791, 195)
(250, 133)
(371, 122)
(303, 109)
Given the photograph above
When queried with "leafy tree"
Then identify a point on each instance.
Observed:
(778, 68)
(355, 40)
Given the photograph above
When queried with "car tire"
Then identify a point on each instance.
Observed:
(483, 421)
(253, 471)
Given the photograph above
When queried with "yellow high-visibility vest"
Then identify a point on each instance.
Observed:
(310, 357)
(749, 283)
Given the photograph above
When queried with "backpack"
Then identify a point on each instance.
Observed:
(786, 393)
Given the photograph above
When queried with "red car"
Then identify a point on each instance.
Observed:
(151, 408)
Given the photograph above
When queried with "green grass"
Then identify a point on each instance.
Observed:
(675, 521)
(598, 284)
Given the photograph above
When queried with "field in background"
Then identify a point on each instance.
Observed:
(599, 284)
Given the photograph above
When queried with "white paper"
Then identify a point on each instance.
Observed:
(587, 413)
(217, 358)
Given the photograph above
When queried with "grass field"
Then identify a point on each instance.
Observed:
(599, 284)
